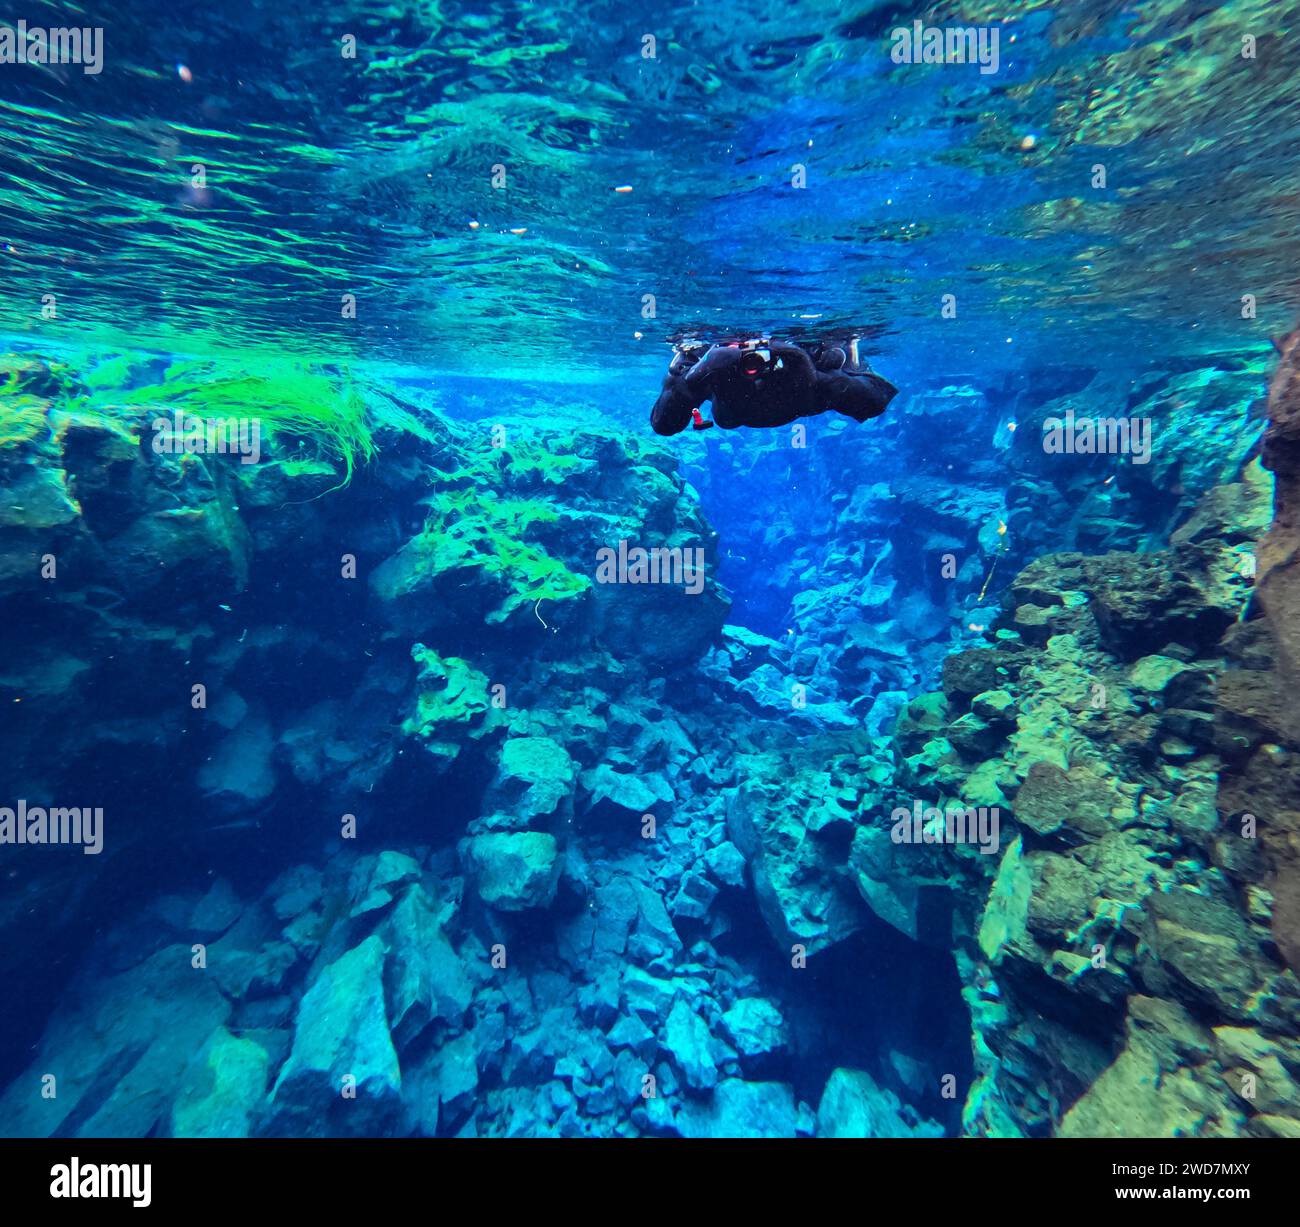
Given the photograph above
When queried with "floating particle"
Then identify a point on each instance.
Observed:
(626, 187)
(1028, 141)
(183, 71)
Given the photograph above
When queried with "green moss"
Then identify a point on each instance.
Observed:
(451, 695)
(286, 397)
(114, 371)
(467, 530)
(28, 388)
(305, 468)
(22, 418)
(552, 467)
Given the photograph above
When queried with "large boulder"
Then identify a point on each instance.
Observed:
(425, 978)
(687, 1040)
(533, 784)
(514, 870)
(222, 1090)
(853, 1106)
(795, 834)
(342, 1075)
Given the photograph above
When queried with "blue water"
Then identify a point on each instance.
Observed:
(406, 818)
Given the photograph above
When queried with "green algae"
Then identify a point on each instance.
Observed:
(553, 468)
(283, 395)
(470, 530)
(21, 419)
(452, 701)
(28, 388)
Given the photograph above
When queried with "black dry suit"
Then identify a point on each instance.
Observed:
(769, 385)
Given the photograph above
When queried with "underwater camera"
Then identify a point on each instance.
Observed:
(756, 361)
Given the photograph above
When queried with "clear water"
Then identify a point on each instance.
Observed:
(502, 215)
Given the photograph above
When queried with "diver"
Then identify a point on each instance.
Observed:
(762, 382)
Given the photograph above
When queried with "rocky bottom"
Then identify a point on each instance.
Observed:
(620, 870)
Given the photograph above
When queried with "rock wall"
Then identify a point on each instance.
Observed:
(1118, 961)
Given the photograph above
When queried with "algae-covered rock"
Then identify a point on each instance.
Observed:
(1155, 673)
(1144, 601)
(994, 706)
(975, 671)
(535, 779)
(1052, 801)
(1006, 912)
(222, 1090)
(1160, 1085)
(452, 704)
(1201, 947)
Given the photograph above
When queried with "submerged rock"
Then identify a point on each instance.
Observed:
(223, 1089)
(535, 779)
(342, 1075)
(514, 871)
(853, 1106)
(739, 1109)
(116, 1058)
(756, 1030)
(687, 1041)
